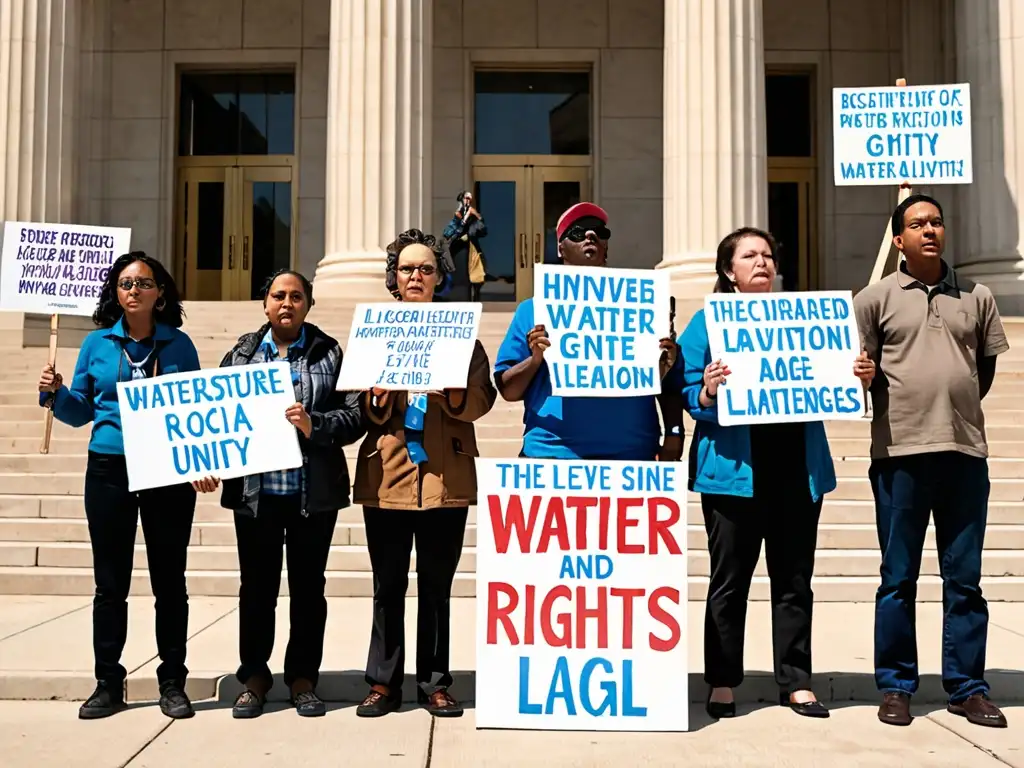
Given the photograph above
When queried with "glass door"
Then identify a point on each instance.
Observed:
(205, 230)
(791, 219)
(267, 228)
(521, 206)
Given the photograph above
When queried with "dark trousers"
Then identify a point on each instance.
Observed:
(113, 514)
(787, 522)
(279, 525)
(390, 533)
(955, 487)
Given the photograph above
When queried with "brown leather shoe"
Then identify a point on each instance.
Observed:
(979, 710)
(895, 709)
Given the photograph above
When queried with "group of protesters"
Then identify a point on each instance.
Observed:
(929, 341)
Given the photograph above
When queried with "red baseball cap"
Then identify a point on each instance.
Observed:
(577, 212)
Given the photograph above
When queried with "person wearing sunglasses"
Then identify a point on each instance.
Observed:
(139, 316)
(295, 509)
(569, 427)
(416, 479)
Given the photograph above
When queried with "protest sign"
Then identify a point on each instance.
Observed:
(581, 595)
(222, 422)
(920, 134)
(410, 346)
(57, 269)
(790, 355)
(605, 327)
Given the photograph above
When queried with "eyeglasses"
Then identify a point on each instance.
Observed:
(144, 283)
(578, 234)
(425, 269)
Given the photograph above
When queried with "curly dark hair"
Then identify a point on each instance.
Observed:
(726, 250)
(445, 264)
(307, 287)
(168, 309)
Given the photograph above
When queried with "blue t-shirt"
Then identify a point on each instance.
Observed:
(92, 395)
(625, 428)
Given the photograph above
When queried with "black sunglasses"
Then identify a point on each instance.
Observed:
(144, 283)
(578, 234)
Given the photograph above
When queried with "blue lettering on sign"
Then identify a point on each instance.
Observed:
(561, 690)
(586, 567)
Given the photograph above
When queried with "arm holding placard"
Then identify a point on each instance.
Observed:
(520, 355)
(477, 399)
(699, 394)
(72, 406)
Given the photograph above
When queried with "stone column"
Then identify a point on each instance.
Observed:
(378, 139)
(38, 95)
(714, 136)
(990, 56)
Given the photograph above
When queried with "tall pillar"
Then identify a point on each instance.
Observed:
(38, 95)
(378, 139)
(714, 135)
(990, 56)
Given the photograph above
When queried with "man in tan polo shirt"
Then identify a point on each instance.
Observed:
(934, 336)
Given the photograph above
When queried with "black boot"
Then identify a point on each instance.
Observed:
(174, 702)
(105, 701)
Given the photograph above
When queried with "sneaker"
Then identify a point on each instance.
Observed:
(308, 704)
(174, 702)
(105, 701)
(440, 703)
(247, 706)
(377, 704)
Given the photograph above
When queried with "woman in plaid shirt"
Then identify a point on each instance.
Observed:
(298, 507)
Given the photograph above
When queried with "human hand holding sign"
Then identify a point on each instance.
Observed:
(297, 416)
(669, 355)
(714, 376)
(206, 485)
(864, 368)
(50, 380)
(537, 340)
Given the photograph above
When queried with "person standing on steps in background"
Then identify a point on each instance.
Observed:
(463, 235)
(761, 483)
(294, 509)
(578, 427)
(416, 478)
(139, 316)
(935, 336)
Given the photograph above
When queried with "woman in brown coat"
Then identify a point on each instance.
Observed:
(416, 478)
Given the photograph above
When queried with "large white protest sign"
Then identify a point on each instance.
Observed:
(920, 134)
(57, 269)
(410, 346)
(790, 355)
(605, 327)
(581, 595)
(222, 422)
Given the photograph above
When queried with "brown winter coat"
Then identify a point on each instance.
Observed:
(385, 475)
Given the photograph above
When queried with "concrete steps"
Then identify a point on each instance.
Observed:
(44, 541)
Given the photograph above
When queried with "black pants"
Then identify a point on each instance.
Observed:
(261, 539)
(389, 534)
(113, 514)
(788, 524)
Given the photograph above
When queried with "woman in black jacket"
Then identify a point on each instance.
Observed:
(298, 507)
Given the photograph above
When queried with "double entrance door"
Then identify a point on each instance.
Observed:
(233, 226)
(520, 200)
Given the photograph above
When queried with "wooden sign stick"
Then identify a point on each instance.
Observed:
(886, 249)
(48, 423)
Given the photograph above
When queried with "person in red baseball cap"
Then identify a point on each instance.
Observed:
(568, 427)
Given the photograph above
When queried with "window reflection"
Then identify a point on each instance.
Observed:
(496, 201)
(237, 114)
(532, 113)
(271, 231)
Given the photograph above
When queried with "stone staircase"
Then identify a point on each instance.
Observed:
(44, 541)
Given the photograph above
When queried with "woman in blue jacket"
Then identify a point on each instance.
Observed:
(754, 487)
(139, 314)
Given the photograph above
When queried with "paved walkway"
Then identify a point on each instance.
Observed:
(45, 653)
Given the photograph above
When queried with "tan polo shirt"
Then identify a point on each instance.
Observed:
(926, 345)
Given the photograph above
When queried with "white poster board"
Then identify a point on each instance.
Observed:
(791, 356)
(221, 422)
(581, 595)
(401, 346)
(605, 327)
(885, 136)
(57, 269)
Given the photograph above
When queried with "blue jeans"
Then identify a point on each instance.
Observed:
(907, 489)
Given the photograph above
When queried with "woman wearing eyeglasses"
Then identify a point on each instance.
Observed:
(578, 427)
(416, 478)
(294, 509)
(139, 316)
